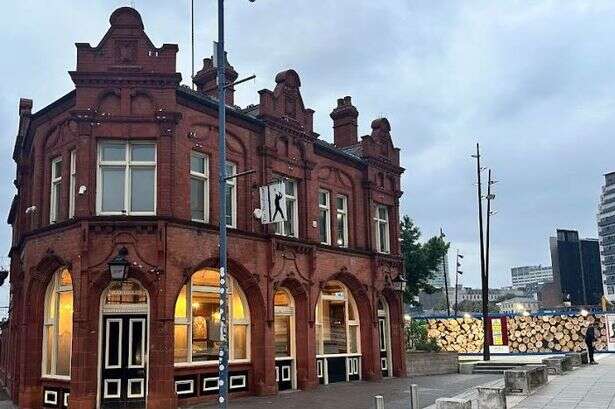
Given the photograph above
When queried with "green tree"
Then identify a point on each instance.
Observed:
(421, 260)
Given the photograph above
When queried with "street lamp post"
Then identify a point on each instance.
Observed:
(484, 281)
(457, 274)
(448, 304)
(223, 354)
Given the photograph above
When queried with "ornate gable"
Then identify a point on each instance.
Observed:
(285, 102)
(126, 49)
(379, 144)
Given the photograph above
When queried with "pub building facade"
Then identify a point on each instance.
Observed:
(114, 281)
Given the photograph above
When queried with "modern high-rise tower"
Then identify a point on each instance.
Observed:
(606, 234)
(576, 268)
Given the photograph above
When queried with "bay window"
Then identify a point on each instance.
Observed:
(198, 325)
(199, 187)
(231, 196)
(56, 190)
(324, 220)
(126, 178)
(289, 227)
(381, 229)
(341, 209)
(337, 321)
(58, 325)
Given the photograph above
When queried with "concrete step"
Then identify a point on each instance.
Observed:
(494, 367)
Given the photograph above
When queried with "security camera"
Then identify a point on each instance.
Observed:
(258, 213)
(82, 189)
(31, 209)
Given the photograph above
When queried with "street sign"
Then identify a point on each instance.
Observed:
(273, 203)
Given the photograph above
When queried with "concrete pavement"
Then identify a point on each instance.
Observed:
(590, 387)
(360, 395)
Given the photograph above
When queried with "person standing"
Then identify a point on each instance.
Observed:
(590, 338)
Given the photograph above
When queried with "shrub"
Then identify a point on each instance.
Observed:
(417, 339)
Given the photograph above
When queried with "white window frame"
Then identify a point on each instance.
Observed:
(326, 210)
(349, 303)
(287, 312)
(56, 191)
(54, 289)
(72, 184)
(343, 213)
(204, 178)
(127, 163)
(292, 198)
(187, 321)
(382, 223)
(233, 184)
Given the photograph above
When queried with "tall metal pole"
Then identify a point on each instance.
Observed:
(485, 288)
(489, 198)
(448, 306)
(456, 282)
(224, 344)
(192, 40)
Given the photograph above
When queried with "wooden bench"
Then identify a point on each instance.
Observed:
(525, 379)
(557, 365)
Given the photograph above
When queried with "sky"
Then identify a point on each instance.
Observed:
(531, 81)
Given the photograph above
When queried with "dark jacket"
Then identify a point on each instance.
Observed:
(590, 335)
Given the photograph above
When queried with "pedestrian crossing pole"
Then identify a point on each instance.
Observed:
(224, 344)
(223, 354)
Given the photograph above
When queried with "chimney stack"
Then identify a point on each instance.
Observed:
(205, 80)
(345, 123)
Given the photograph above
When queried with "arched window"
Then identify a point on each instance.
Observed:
(284, 324)
(337, 321)
(58, 328)
(197, 320)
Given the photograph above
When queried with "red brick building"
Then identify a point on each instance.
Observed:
(124, 165)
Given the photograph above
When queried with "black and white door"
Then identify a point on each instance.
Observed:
(384, 335)
(284, 337)
(124, 361)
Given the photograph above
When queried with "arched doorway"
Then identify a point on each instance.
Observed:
(284, 338)
(384, 336)
(123, 345)
(338, 338)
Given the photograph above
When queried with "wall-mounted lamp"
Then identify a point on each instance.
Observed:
(118, 266)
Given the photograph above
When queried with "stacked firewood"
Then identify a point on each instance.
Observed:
(457, 334)
(552, 333)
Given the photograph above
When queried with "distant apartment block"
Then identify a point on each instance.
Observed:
(528, 275)
(518, 305)
(606, 235)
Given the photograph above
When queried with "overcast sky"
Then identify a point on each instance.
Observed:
(532, 81)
